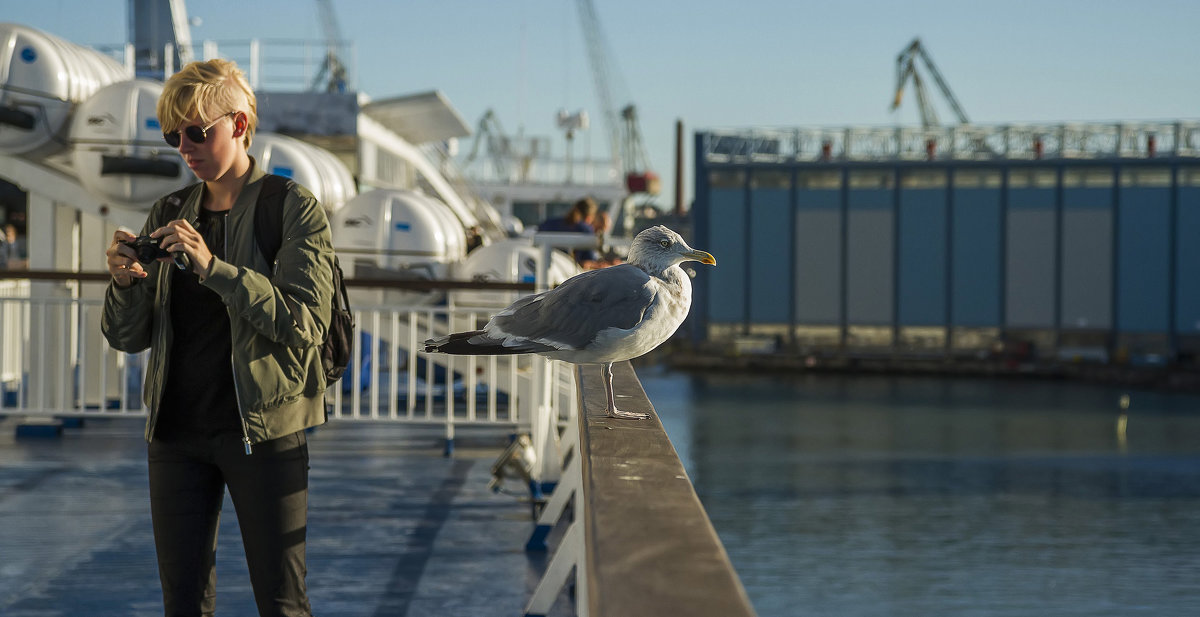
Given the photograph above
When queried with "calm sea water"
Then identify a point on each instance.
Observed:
(875, 496)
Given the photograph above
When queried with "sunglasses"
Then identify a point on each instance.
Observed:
(195, 133)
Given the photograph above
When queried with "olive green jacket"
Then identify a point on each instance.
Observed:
(277, 321)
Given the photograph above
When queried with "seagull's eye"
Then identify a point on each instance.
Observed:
(665, 243)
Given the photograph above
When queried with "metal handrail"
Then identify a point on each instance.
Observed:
(633, 510)
(405, 284)
(1081, 140)
(55, 363)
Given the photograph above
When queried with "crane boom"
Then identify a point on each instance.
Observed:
(183, 33)
(590, 25)
(490, 131)
(906, 69)
(624, 135)
(332, 75)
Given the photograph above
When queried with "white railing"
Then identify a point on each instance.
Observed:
(275, 65)
(13, 323)
(1081, 140)
(55, 363)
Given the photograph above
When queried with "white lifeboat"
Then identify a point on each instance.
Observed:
(397, 234)
(42, 79)
(312, 167)
(507, 261)
(119, 154)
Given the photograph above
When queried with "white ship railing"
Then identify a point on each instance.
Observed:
(551, 171)
(13, 324)
(54, 363)
(1082, 140)
(274, 65)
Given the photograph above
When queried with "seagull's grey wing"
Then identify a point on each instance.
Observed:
(572, 314)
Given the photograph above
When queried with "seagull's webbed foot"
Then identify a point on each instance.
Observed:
(611, 410)
(628, 415)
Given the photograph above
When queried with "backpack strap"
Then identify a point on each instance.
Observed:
(268, 215)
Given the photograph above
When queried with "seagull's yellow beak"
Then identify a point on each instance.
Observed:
(701, 257)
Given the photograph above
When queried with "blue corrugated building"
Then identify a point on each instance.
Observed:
(1067, 241)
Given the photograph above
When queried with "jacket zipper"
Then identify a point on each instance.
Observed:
(157, 335)
(237, 394)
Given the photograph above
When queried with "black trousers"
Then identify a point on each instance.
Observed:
(269, 490)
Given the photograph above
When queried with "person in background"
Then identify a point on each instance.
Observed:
(579, 220)
(234, 376)
(4, 243)
(13, 254)
(607, 256)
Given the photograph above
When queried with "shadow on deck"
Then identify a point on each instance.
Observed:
(395, 528)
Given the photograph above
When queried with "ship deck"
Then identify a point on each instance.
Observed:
(395, 528)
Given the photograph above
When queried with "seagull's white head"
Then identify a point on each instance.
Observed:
(659, 248)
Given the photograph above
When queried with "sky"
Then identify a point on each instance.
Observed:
(723, 64)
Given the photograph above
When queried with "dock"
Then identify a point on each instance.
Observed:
(399, 524)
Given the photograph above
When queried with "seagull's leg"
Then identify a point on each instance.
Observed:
(612, 410)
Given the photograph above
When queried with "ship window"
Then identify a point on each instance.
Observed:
(1146, 176)
(726, 179)
(816, 180)
(923, 179)
(977, 178)
(872, 179)
(530, 214)
(1088, 177)
(1032, 178)
(1189, 176)
(771, 179)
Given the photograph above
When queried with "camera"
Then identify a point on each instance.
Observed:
(148, 251)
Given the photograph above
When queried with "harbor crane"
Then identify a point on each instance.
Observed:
(183, 34)
(906, 68)
(332, 75)
(511, 156)
(490, 132)
(624, 134)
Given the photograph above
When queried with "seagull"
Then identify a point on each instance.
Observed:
(598, 317)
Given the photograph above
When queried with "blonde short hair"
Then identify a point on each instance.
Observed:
(208, 89)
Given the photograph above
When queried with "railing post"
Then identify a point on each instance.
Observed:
(130, 60)
(544, 428)
(168, 60)
(567, 488)
(255, 63)
(572, 549)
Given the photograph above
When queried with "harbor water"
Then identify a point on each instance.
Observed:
(871, 496)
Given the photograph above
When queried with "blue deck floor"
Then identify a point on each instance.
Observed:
(395, 528)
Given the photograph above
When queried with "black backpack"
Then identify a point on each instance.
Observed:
(338, 346)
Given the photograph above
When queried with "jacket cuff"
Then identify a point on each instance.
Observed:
(122, 296)
(221, 276)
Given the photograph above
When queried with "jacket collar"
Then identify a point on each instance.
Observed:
(241, 217)
(245, 199)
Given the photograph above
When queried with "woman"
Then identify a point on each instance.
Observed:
(579, 219)
(234, 375)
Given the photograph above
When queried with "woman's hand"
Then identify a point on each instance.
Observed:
(122, 261)
(179, 235)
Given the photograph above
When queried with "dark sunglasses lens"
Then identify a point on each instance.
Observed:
(195, 134)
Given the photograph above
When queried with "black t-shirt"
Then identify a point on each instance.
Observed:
(199, 398)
